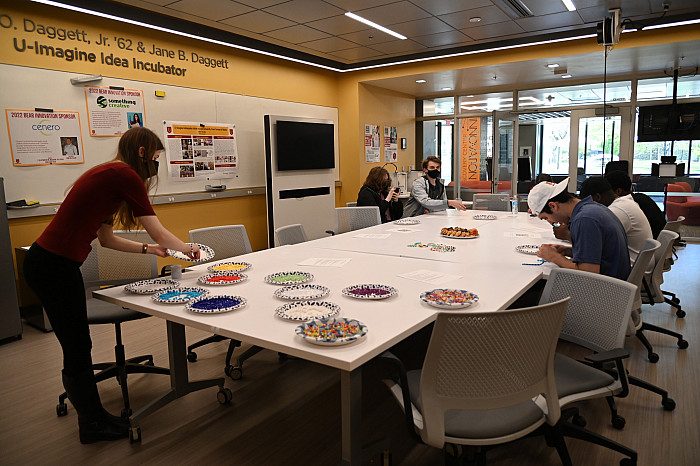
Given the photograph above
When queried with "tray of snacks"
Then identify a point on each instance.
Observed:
(459, 233)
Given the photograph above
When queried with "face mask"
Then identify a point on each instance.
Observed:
(153, 172)
(434, 174)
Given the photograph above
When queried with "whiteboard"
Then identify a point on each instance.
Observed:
(30, 88)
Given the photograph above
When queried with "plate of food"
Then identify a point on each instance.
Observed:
(484, 217)
(301, 292)
(370, 291)
(531, 249)
(407, 221)
(307, 310)
(205, 253)
(154, 285)
(459, 233)
(229, 267)
(216, 304)
(179, 295)
(289, 278)
(332, 332)
(222, 278)
(449, 298)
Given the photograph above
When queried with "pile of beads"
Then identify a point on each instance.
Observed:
(438, 247)
(449, 298)
(331, 330)
(287, 278)
(229, 267)
(216, 304)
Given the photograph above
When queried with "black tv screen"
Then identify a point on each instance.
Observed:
(680, 122)
(303, 145)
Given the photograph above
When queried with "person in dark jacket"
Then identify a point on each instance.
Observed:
(375, 192)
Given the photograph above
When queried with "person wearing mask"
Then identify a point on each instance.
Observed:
(428, 192)
(598, 239)
(625, 209)
(115, 192)
(622, 186)
(376, 192)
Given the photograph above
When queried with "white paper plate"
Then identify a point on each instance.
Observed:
(205, 253)
(229, 266)
(407, 221)
(370, 291)
(179, 295)
(220, 278)
(449, 298)
(305, 331)
(154, 285)
(459, 237)
(484, 217)
(216, 304)
(307, 310)
(301, 292)
(289, 278)
(531, 249)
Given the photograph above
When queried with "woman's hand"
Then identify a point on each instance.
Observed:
(392, 196)
(194, 252)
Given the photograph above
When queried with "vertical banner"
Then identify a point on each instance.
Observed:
(471, 149)
(200, 151)
(111, 112)
(390, 144)
(372, 143)
(44, 137)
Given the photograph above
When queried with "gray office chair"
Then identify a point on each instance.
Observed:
(637, 324)
(355, 218)
(499, 201)
(675, 226)
(290, 234)
(104, 267)
(654, 294)
(480, 376)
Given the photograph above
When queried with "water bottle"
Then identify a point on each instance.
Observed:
(514, 205)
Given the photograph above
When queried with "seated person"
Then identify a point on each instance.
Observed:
(428, 193)
(598, 240)
(622, 186)
(543, 177)
(375, 192)
(625, 209)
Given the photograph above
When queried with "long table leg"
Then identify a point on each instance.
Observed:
(179, 379)
(351, 410)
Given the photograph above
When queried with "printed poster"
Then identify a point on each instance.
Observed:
(372, 141)
(44, 138)
(111, 112)
(200, 151)
(471, 149)
(391, 146)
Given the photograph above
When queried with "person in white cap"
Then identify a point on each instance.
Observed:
(598, 239)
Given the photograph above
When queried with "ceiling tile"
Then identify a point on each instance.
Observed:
(258, 3)
(421, 27)
(338, 25)
(546, 7)
(216, 9)
(400, 46)
(488, 15)
(494, 31)
(258, 21)
(330, 44)
(398, 12)
(541, 23)
(443, 7)
(358, 53)
(352, 5)
(297, 34)
(155, 2)
(368, 37)
(450, 38)
(303, 11)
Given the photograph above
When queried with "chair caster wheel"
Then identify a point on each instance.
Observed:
(619, 422)
(224, 396)
(668, 404)
(682, 344)
(126, 413)
(580, 421)
(627, 462)
(235, 372)
(135, 435)
(680, 313)
(653, 358)
(192, 357)
(61, 409)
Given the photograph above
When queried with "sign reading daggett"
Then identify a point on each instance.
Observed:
(44, 138)
(111, 112)
(200, 151)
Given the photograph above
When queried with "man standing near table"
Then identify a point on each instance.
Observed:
(428, 192)
(622, 186)
(598, 239)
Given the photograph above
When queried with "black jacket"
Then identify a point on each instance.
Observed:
(369, 197)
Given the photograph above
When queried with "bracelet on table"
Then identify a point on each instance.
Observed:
(144, 248)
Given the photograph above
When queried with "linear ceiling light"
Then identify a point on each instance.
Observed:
(569, 4)
(374, 25)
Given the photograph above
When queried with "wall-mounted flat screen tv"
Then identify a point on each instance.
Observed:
(304, 145)
(680, 122)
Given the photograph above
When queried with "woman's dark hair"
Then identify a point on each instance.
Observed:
(431, 158)
(562, 198)
(376, 179)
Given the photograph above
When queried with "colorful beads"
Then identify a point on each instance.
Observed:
(438, 247)
(332, 330)
(215, 303)
(450, 296)
(223, 279)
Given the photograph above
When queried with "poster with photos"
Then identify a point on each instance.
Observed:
(372, 143)
(391, 144)
(112, 111)
(200, 151)
(44, 137)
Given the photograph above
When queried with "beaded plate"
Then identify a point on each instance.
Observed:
(307, 310)
(229, 267)
(484, 217)
(445, 298)
(332, 332)
(531, 249)
(155, 285)
(205, 253)
(370, 291)
(179, 295)
(289, 278)
(407, 221)
(305, 291)
(216, 304)
(222, 278)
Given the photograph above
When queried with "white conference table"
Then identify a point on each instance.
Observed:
(495, 273)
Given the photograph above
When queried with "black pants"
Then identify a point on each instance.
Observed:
(58, 283)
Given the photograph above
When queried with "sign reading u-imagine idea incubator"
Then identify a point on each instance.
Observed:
(53, 43)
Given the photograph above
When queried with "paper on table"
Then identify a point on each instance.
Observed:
(373, 235)
(429, 276)
(404, 230)
(325, 262)
(521, 234)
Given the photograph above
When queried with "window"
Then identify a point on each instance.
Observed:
(662, 88)
(439, 106)
(554, 134)
(571, 96)
(486, 102)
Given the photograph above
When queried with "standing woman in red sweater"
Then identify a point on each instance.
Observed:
(113, 192)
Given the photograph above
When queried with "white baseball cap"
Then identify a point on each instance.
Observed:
(542, 192)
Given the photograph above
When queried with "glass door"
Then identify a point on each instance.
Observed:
(504, 166)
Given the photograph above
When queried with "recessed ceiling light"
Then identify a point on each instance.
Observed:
(446, 88)
(475, 19)
(374, 25)
(421, 81)
(565, 76)
(569, 4)
(552, 65)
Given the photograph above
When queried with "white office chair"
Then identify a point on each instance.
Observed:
(675, 226)
(226, 241)
(483, 201)
(290, 234)
(355, 218)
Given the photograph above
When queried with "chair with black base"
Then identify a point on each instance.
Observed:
(653, 293)
(106, 267)
(355, 218)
